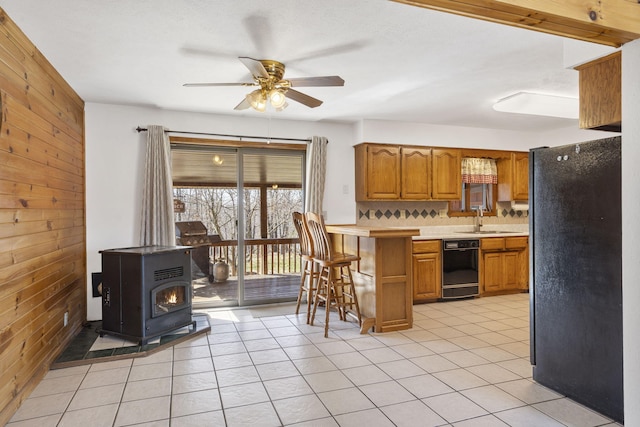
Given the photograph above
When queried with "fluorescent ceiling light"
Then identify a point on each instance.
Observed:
(539, 105)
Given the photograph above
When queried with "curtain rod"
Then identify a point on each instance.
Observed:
(271, 138)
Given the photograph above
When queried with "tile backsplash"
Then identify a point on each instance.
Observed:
(394, 214)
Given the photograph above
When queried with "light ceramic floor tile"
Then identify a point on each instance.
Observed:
(256, 415)
(283, 388)
(465, 358)
(345, 400)
(527, 416)
(65, 372)
(460, 379)
(256, 325)
(571, 413)
(143, 411)
(270, 371)
(302, 351)
(232, 361)
(521, 367)
(408, 414)
(518, 348)
(348, 360)
(214, 418)
(42, 406)
(528, 391)
(484, 421)
(322, 422)
(401, 369)
(419, 335)
(441, 346)
(186, 353)
(148, 372)
(298, 409)
(492, 398)
(195, 402)
(261, 344)
(392, 339)
(159, 357)
(100, 416)
(293, 341)
(366, 343)
(268, 356)
(224, 338)
(146, 389)
(380, 355)
(227, 348)
(57, 385)
(236, 376)
(454, 407)
(468, 342)
(434, 363)
(328, 381)
(368, 417)
(102, 378)
(194, 382)
(190, 366)
(493, 373)
(425, 386)
(493, 354)
(254, 334)
(244, 394)
(412, 350)
(387, 393)
(368, 374)
(314, 364)
(86, 398)
(277, 374)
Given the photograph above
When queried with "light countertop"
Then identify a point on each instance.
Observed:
(433, 232)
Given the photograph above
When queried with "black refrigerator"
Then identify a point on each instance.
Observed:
(576, 272)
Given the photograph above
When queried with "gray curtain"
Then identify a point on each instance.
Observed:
(157, 196)
(316, 169)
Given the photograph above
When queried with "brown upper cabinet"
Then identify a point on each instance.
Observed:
(513, 177)
(392, 172)
(601, 93)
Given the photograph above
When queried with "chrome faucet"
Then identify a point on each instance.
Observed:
(478, 220)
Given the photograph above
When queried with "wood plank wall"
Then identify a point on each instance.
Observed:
(42, 216)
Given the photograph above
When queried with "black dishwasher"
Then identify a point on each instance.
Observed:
(459, 268)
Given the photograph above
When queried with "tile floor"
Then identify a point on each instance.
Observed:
(464, 363)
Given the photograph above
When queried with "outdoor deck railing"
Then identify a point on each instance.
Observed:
(261, 256)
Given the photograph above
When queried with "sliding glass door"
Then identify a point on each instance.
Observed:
(252, 190)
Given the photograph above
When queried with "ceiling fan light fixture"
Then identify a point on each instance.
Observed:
(283, 106)
(257, 100)
(277, 98)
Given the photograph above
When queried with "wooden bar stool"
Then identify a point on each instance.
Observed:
(306, 254)
(335, 285)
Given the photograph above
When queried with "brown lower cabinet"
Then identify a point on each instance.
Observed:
(427, 270)
(504, 265)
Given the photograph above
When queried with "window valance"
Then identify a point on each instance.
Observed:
(479, 171)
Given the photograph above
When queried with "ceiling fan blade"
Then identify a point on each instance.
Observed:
(316, 81)
(302, 98)
(255, 67)
(243, 105)
(217, 84)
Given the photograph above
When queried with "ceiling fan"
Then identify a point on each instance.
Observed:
(268, 76)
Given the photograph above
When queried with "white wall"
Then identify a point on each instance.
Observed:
(631, 229)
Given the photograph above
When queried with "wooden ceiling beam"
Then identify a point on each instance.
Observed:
(608, 22)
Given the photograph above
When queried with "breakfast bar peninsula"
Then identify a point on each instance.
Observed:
(383, 274)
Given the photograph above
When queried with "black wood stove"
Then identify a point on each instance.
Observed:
(146, 291)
